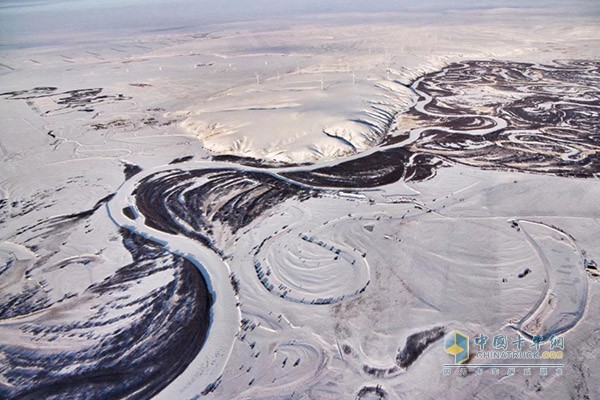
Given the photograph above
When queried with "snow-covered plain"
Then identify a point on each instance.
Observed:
(241, 211)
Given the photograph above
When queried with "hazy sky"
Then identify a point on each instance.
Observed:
(25, 22)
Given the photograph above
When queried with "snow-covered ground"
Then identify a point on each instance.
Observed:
(122, 182)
